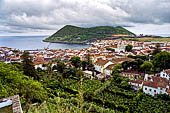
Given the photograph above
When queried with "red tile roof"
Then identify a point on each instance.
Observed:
(101, 62)
(159, 79)
(157, 82)
(134, 72)
(119, 60)
(167, 71)
(168, 91)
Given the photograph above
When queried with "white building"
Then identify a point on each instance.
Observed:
(157, 85)
(136, 84)
(120, 47)
(165, 74)
(104, 66)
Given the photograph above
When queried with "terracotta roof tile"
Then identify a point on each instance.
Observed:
(168, 91)
(100, 61)
(167, 71)
(119, 60)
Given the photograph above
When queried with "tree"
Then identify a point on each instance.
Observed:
(139, 62)
(90, 65)
(49, 68)
(128, 48)
(13, 81)
(28, 67)
(79, 74)
(125, 65)
(156, 50)
(116, 69)
(161, 61)
(88, 58)
(75, 61)
(69, 72)
(146, 67)
(110, 49)
(60, 66)
(134, 64)
(84, 65)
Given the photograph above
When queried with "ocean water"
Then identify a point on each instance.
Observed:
(34, 42)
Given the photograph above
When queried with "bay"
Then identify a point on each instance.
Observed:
(34, 42)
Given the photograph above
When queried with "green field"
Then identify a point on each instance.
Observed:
(149, 39)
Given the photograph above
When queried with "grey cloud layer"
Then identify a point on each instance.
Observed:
(37, 15)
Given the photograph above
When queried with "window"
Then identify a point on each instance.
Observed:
(161, 88)
(145, 88)
(150, 89)
(155, 91)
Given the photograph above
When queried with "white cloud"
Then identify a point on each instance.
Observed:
(29, 16)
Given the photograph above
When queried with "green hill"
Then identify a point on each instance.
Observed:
(77, 34)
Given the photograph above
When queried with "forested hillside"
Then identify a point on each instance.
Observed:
(77, 34)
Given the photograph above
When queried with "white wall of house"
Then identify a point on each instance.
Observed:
(136, 84)
(108, 72)
(40, 66)
(152, 91)
(147, 76)
(98, 68)
(164, 75)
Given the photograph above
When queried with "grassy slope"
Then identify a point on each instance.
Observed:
(150, 39)
(77, 34)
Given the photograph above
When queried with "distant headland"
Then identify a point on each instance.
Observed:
(77, 35)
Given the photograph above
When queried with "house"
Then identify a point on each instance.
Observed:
(99, 65)
(102, 66)
(109, 69)
(165, 74)
(156, 85)
(136, 84)
(88, 74)
(148, 77)
(106, 66)
(130, 74)
(39, 65)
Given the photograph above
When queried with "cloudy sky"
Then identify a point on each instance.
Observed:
(44, 17)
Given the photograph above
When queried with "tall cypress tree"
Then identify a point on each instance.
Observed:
(28, 67)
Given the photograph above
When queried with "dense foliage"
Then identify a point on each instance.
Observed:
(161, 61)
(13, 81)
(28, 67)
(66, 90)
(128, 48)
(77, 34)
(110, 96)
(110, 49)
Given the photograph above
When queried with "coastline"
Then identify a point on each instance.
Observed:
(64, 42)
